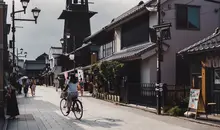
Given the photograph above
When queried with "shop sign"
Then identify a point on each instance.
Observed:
(213, 62)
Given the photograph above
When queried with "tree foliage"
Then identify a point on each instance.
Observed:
(106, 72)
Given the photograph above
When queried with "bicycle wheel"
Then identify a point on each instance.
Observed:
(63, 107)
(78, 109)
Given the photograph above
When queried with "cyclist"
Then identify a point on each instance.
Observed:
(72, 91)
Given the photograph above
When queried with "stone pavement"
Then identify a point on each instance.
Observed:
(42, 113)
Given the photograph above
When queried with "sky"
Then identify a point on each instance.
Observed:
(36, 39)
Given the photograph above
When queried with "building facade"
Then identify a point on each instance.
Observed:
(204, 63)
(129, 37)
(34, 68)
(54, 60)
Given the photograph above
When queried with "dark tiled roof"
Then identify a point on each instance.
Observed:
(209, 43)
(130, 12)
(122, 17)
(130, 52)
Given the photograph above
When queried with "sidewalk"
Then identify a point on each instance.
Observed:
(39, 114)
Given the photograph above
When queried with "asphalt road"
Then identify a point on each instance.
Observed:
(42, 113)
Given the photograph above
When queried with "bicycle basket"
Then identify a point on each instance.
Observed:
(63, 95)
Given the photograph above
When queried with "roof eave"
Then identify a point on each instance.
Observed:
(126, 19)
(65, 14)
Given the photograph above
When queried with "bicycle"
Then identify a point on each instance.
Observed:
(75, 107)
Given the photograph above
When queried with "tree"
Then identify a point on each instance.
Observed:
(109, 70)
(105, 73)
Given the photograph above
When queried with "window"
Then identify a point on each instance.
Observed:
(187, 17)
(135, 31)
(217, 76)
(107, 49)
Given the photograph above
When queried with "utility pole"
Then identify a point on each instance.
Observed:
(163, 33)
(158, 61)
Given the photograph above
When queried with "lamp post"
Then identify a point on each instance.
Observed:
(35, 12)
(72, 56)
(63, 45)
(21, 54)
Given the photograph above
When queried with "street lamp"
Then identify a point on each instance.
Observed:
(35, 11)
(25, 4)
(21, 50)
(25, 53)
(62, 41)
(72, 56)
(67, 35)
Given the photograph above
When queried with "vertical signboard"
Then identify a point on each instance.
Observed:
(196, 103)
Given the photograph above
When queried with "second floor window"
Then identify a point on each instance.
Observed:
(187, 17)
(106, 50)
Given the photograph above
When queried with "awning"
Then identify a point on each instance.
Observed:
(131, 52)
(209, 43)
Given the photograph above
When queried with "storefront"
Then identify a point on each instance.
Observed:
(204, 60)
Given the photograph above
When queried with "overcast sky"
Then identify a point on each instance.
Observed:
(38, 38)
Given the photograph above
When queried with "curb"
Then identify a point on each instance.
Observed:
(199, 122)
(144, 109)
(5, 127)
(127, 105)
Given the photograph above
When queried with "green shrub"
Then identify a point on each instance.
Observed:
(176, 111)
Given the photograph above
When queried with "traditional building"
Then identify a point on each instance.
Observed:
(34, 68)
(54, 60)
(129, 38)
(77, 23)
(203, 60)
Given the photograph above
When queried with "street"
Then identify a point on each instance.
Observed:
(42, 113)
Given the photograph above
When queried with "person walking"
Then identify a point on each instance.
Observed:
(33, 86)
(81, 86)
(12, 104)
(25, 86)
(20, 86)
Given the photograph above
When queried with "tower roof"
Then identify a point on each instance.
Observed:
(70, 13)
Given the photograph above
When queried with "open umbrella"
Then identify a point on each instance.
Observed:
(23, 77)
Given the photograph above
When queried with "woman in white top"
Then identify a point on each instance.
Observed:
(72, 91)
